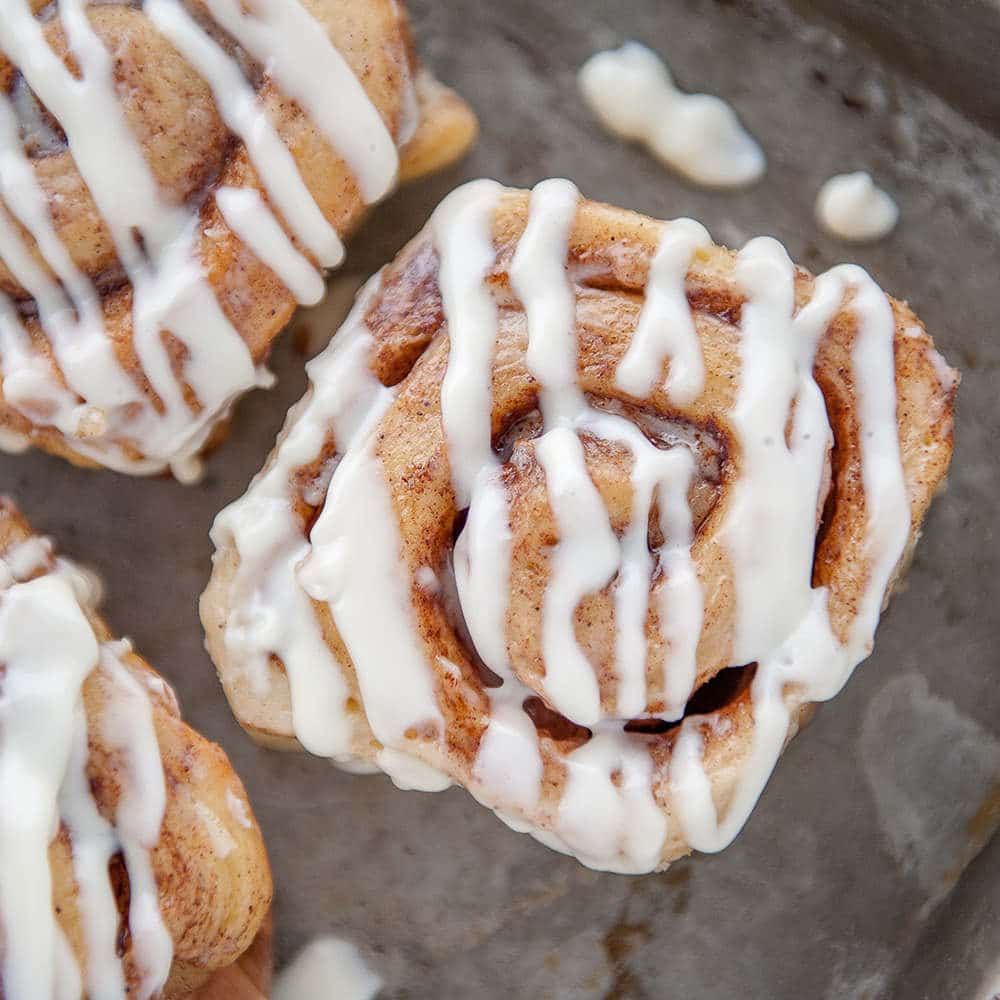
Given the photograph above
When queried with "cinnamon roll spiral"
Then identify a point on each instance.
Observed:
(175, 176)
(130, 862)
(581, 510)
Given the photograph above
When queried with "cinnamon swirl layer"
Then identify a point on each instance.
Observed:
(175, 176)
(580, 511)
(130, 862)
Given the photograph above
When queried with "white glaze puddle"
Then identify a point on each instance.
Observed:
(100, 409)
(853, 208)
(611, 811)
(631, 92)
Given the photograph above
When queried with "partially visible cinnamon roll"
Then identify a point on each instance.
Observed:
(175, 176)
(131, 864)
(581, 511)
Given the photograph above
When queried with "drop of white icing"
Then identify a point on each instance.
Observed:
(632, 93)
(328, 968)
(853, 208)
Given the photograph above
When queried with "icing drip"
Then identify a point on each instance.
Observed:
(852, 207)
(666, 329)
(614, 805)
(40, 693)
(300, 57)
(353, 570)
(462, 226)
(808, 658)
(631, 92)
(10, 441)
(48, 649)
(220, 838)
(97, 404)
(239, 107)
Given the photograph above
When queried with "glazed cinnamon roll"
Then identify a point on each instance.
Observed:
(581, 511)
(175, 176)
(130, 862)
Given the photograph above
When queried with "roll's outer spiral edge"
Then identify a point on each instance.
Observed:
(400, 331)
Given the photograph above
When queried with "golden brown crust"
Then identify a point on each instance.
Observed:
(172, 113)
(212, 906)
(608, 263)
(447, 126)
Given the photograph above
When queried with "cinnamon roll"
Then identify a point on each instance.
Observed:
(175, 176)
(581, 511)
(130, 862)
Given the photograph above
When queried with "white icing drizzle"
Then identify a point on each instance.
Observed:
(48, 649)
(242, 112)
(462, 228)
(247, 215)
(353, 570)
(613, 809)
(273, 614)
(327, 967)
(853, 208)
(808, 656)
(584, 561)
(482, 570)
(10, 441)
(100, 407)
(666, 328)
(632, 93)
(299, 55)
(609, 801)
(129, 729)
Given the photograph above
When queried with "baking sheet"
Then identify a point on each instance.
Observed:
(863, 871)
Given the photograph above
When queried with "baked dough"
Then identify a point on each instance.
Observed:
(581, 511)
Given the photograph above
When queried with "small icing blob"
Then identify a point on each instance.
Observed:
(852, 207)
(633, 94)
(327, 967)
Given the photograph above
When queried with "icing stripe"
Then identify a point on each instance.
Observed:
(281, 35)
(462, 226)
(666, 326)
(240, 109)
(247, 215)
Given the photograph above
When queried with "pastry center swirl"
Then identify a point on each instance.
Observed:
(696, 457)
